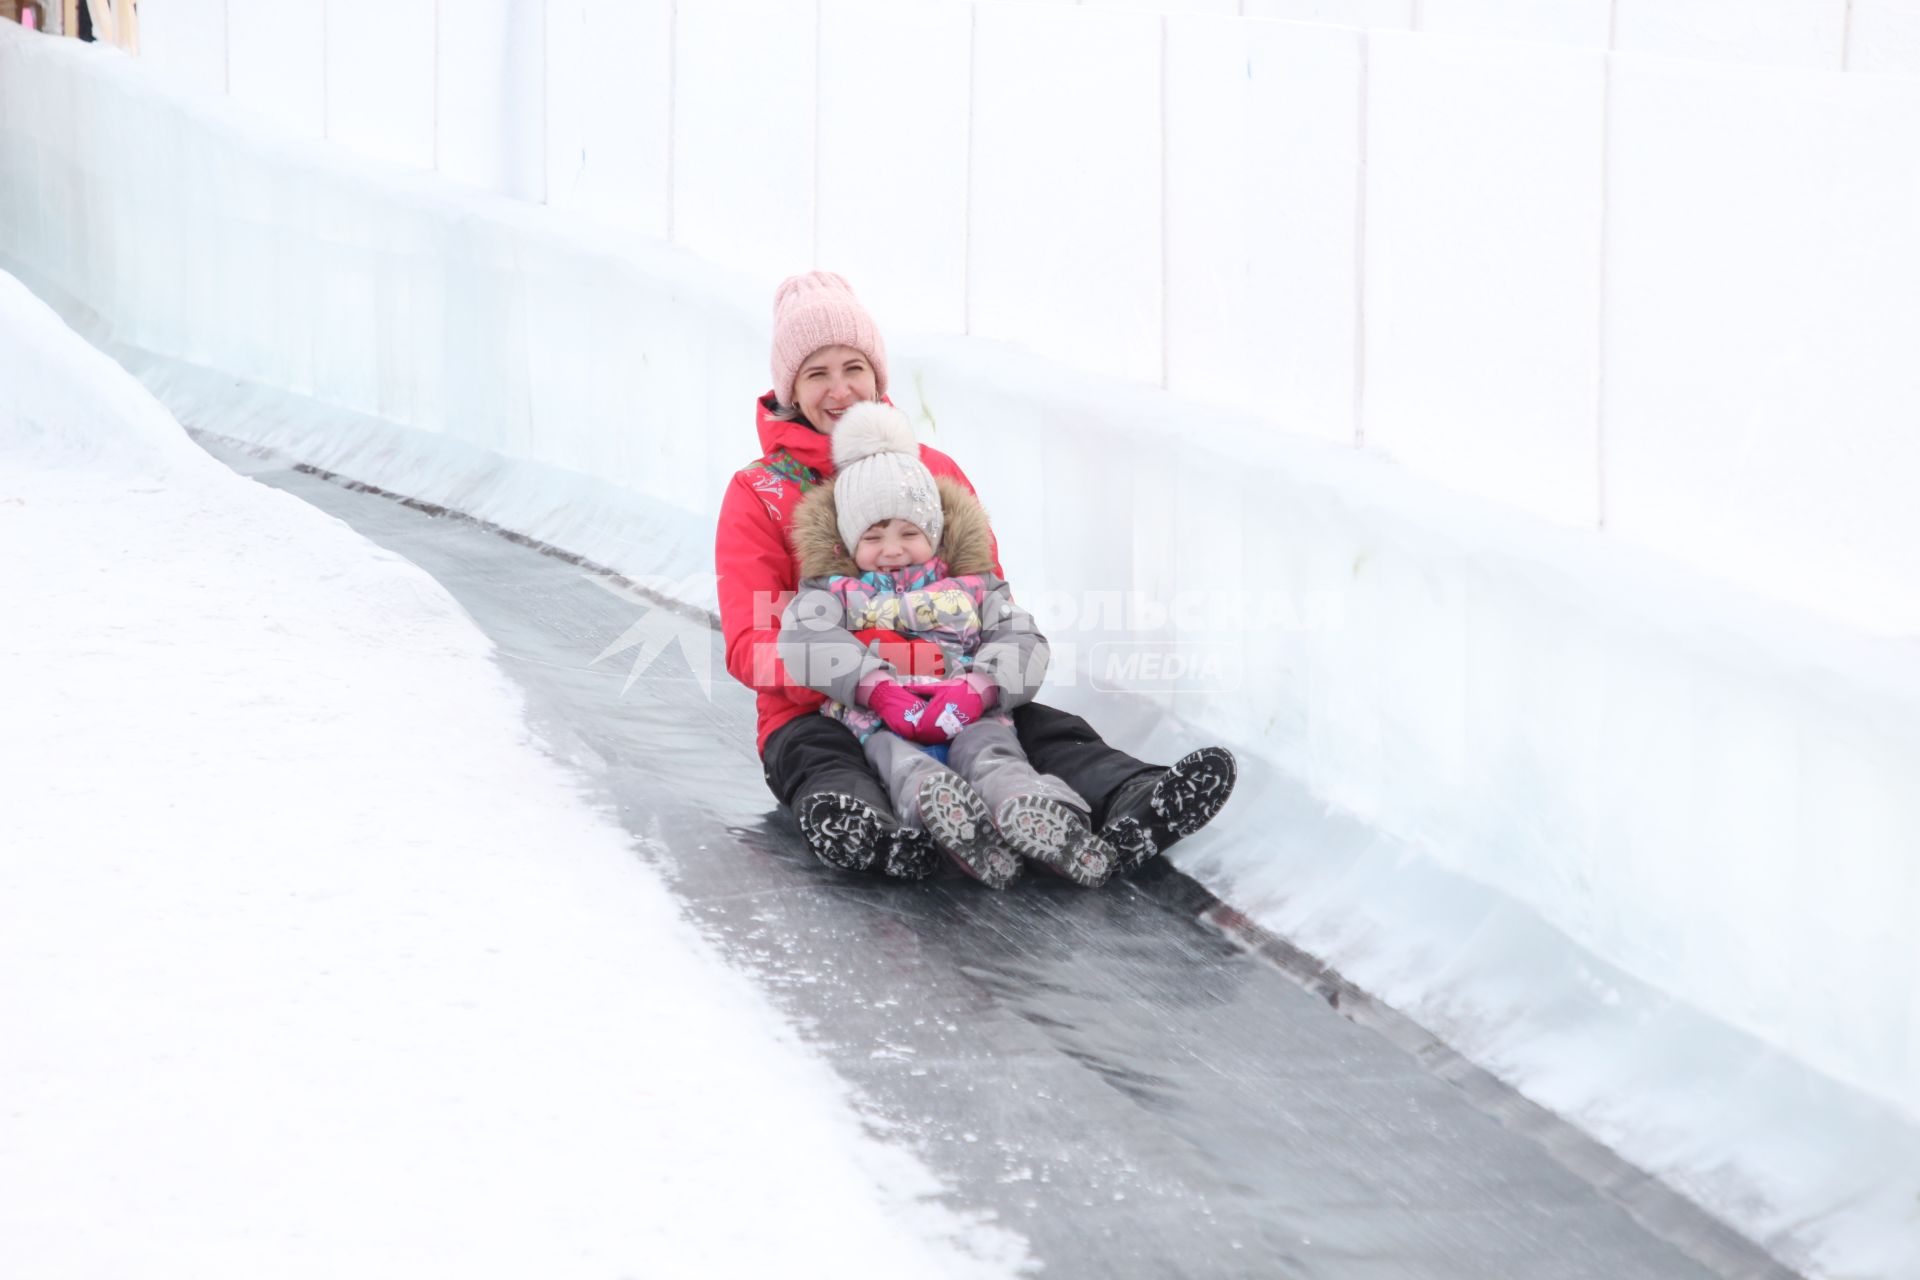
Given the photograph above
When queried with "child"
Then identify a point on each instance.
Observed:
(889, 552)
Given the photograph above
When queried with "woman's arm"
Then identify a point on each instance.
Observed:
(756, 580)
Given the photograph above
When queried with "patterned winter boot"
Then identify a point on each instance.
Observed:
(1150, 812)
(844, 831)
(1057, 836)
(957, 819)
(906, 854)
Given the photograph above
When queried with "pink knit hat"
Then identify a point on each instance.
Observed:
(814, 310)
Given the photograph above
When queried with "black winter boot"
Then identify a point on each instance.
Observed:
(1148, 813)
(844, 831)
(906, 854)
(848, 834)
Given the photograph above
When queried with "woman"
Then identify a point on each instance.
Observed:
(827, 357)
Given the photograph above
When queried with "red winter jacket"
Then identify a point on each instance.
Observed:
(757, 567)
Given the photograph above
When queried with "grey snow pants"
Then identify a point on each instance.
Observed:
(987, 754)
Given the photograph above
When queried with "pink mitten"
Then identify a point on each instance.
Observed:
(952, 707)
(900, 709)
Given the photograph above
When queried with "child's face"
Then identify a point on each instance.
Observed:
(892, 544)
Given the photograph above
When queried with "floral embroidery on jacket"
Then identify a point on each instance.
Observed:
(784, 466)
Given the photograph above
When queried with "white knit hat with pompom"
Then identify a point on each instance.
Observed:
(879, 475)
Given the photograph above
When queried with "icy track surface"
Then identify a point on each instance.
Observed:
(316, 964)
(1132, 1093)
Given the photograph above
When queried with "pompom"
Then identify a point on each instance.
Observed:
(869, 428)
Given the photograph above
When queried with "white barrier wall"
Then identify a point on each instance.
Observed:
(1263, 197)
(1763, 304)
(1620, 833)
(1790, 33)
(1065, 252)
(491, 93)
(382, 73)
(186, 36)
(189, 38)
(276, 60)
(609, 143)
(1856, 35)
(893, 156)
(1883, 36)
(1483, 267)
(1411, 242)
(745, 117)
(1587, 23)
(1388, 14)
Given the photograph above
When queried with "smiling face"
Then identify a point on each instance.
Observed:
(831, 381)
(892, 544)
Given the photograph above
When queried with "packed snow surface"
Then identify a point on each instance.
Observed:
(315, 964)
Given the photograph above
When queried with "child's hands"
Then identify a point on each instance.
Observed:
(900, 709)
(951, 706)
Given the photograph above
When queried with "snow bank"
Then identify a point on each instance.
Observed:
(1638, 842)
(316, 964)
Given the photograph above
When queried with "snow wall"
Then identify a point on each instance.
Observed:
(1638, 841)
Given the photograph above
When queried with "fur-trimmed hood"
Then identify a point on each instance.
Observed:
(966, 541)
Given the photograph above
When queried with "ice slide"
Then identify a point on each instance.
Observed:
(1116, 1076)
